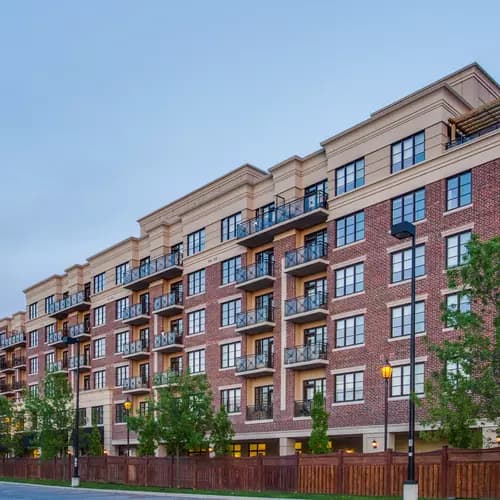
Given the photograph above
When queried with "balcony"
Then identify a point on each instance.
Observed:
(80, 331)
(136, 385)
(79, 301)
(306, 309)
(168, 342)
(255, 321)
(138, 349)
(164, 267)
(297, 214)
(255, 365)
(60, 366)
(166, 379)
(56, 339)
(306, 356)
(17, 339)
(169, 304)
(6, 389)
(307, 260)
(6, 366)
(260, 412)
(302, 408)
(136, 314)
(18, 385)
(19, 363)
(84, 363)
(255, 276)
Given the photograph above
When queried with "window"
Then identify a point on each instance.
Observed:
(407, 152)
(48, 303)
(229, 353)
(234, 450)
(457, 302)
(456, 249)
(349, 280)
(178, 248)
(121, 374)
(229, 310)
(229, 268)
(33, 311)
(400, 381)
(255, 449)
(86, 382)
(33, 366)
(99, 282)
(33, 388)
(350, 176)
(100, 316)
(350, 331)
(401, 264)
(97, 415)
(99, 348)
(100, 379)
(49, 330)
(196, 322)
(196, 242)
(401, 319)
(120, 272)
(311, 387)
(121, 339)
(196, 361)
(121, 305)
(120, 413)
(228, 226)
(230, 399)
(455, 371)
(33, 338)
(196, 282)
(350, 228)
(349, 387)
(459, 191)
(143, 408)
(319, 187)
(409, 207)
(315, 335)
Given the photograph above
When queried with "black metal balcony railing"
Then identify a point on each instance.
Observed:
(135, 310)
(58, 366)
(133, 383)
(302, 408)
(19, 361)
(255, 316)
(167, 339)
(84, 361)
(462, 139)
(306, 254)
(168, 300)
(167, 377)
(282, 213)
(254, 271)
(17, 337)
(55, 337)
(73, 300)
(5, 364)
(154, 266)
(79, 329)
(260, 412)
(135, 347)
(303, 353)
(305, 304)
(18, 385)
(5, 388)
(254, 362)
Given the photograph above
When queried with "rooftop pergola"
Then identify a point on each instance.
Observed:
(483, 117)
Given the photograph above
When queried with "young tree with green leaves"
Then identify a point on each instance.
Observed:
(6, 423)
(465, 392)
(222, 433)
(95, 448)
(146, 427)
(318, 441)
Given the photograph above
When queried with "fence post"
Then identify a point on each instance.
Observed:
(388, 472)
(443, 479)
(340, 473)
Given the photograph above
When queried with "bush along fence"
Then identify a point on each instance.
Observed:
(446, 473)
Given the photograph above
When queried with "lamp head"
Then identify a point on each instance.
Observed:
(403, 230)
(374, 444)
(386, 371)
(127, 404)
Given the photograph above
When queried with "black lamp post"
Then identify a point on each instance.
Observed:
(386, 372)
(402, 231)
(128, 406)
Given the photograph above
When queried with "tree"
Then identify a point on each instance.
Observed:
(318, 441)
(6, 422)
(464, 392)
(146, 427)
(222, 432)
(51, 415)
(95, 448)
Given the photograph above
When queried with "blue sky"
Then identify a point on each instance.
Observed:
(110, 109)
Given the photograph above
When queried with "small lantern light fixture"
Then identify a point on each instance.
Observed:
(374, 444)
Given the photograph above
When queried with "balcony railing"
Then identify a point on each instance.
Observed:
(5, 388)
(306, 353)
(78, 301)
(79, 330)
(307, 257)
(304, 305)
(138, 348)
(6, 365)
(58, 366)
(169, 265)
(167, 341)
(255, 273)
(168, 304)
(281, 214)
(255, 319)
(302, 408)
(11, 341)
(462, 139)
(166, 378)
(18, 385)
(260, 412)
(19, 362)
(55, 338)
(136, 314)
(136, 384)
(84, 362)
(255, 362)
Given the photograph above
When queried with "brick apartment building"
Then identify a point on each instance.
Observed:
(278, 284)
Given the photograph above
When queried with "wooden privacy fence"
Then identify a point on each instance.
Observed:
(446, 473)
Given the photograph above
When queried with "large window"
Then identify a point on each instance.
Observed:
(196, 282)
(456, 249)
(100, 379)
(121, 305)
(409, 207)
(97, 415)
(350, 331)
(230, 399)
(120, 272)
(229, 353)
(99, 282)
(100, 316)
(350, 228)
(99, 348)
(120, 413)
(400, 381)
(457, 302)
(121, 339)
(33, 338)
(315, 335)
(228, 311)
(196, 361)
(33, 366)
(228, 268)
(49, 330)
(407, 152)
(48, 302)
(401, 319)
(350, 176)
(349, 387)
(459, 191)
(228, 226)
(349, 280)
(401, 264)
(196, 242)
(32, 311)
(196, 322)
(121, 374)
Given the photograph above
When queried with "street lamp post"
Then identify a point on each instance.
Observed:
(386, 371)
(402, 231)
(128, 407)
